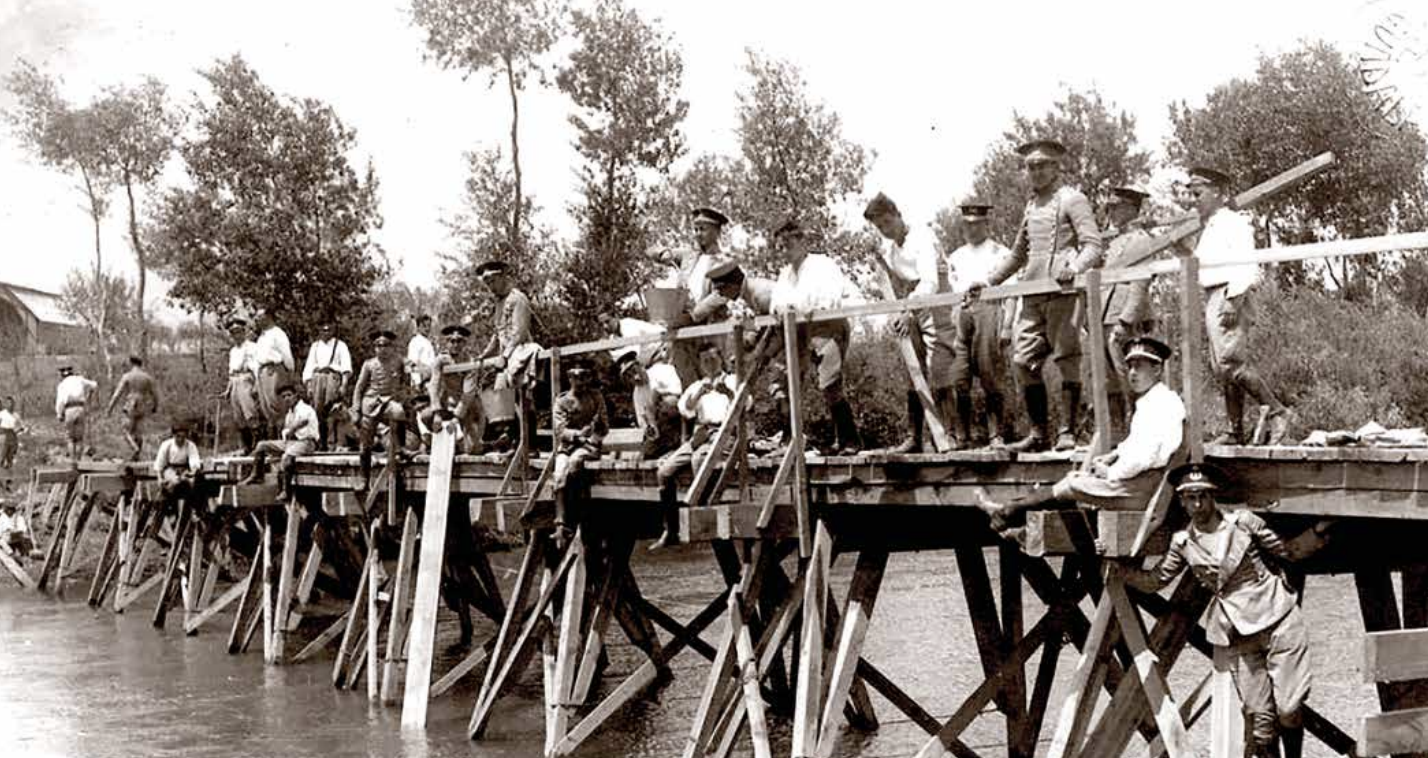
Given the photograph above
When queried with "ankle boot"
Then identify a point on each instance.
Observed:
(245, 435)
(1034, 396)
(915, 418)
(260, 469)
(849, 441)
(1070, 410)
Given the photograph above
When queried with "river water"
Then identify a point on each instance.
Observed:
(75, 682)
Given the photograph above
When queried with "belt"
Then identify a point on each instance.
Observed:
(328, 371)
(240, 374)
(270, 363)
(74, 404)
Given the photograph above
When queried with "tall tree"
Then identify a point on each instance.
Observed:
(478, 233)
(504, 38)
(137, 128)
(624, 78)
(102, 303)
(1102, 153)
(67, 138)
(276, 216)
(796, 161)
(1298, 104)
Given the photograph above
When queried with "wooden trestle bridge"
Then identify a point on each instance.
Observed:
(354, 570)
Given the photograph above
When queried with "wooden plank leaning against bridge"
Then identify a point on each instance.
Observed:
(355, 566)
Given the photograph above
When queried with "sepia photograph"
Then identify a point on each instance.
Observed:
(662, 379)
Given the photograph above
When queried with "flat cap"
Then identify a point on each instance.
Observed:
(708, 216)
(1207, 175)
(1041, 151)
(1149, 348)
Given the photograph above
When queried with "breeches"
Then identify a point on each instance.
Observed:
(1048, 325)
(1271, 672)
(243, 399)
(1228, 344)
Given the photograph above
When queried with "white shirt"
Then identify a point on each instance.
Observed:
(72, 389)
(817, 284)
(272, 347)
(171, 455)
(13, 524)
(9, 420)
(329, 354)
(971, 264)
(915, 260)
(301, 422)
(663, 380)
(1227, 236)
(240, 358)
(713, 408)
(1156, 430)
(420, 354)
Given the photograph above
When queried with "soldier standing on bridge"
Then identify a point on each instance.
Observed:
(1253, 610)
(1229, 307)
(1058, 239)
(274, 356)
(71, 404)
(140, 394)
(242, 389)
(1127, 312)
(909, 264)
(377, 398)
(325, 374)
(970, 347)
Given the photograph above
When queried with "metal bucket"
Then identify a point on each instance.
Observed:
(499, 404)
(664, 304)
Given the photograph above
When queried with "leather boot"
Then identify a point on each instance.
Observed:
(246, 436)
(849, 441)
(996, 431)
(915, 418)
(260, 469)
(1069, 411)
(963, 399)
(1034, 395)
(1292, 739)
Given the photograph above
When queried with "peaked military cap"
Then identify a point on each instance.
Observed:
(708, 216)
(1149, 348)
(1196, 477)
(726, 271)
(1041, 151)
(1127, 195)
(377, 333)
(450, 329)
(1207, 175)
(492, 267)
(975, 211)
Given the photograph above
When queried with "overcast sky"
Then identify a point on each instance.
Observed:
(927, 90)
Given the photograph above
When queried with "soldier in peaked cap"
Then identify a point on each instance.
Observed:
(453, 396)
(1127, 311)
(1254, 610)
(242, 389)
(512, 348)
(1126, 477)
(1058, 239)
(377, 397)
(1229, 307)
(908, 260)
(580, 424)
(691, 274)
(969, 346)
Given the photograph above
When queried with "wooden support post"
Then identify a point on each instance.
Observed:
(269, 653)
(1096, 346)
(374, 613)
(1192, 316)
(107, 557)
(1021, 738)
(323, 638)
(1166, 712)
(520, 593)
(862, 596)
(183, 527)
(568, 645)
(247, 604)
(795, 443)
(749, 679)
(1075, 711)
(741, 447)
(395, 661)
(355, 617)
(204, 615)
(57, 541)
(1227, 718)
(286, 566)
(808, 705)
(606, 597)
(982, 612)
(428, 583)
(716, 692)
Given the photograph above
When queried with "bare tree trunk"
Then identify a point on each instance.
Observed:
(101, 318)
(140, 259)
(515, 235)
(202, 352)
